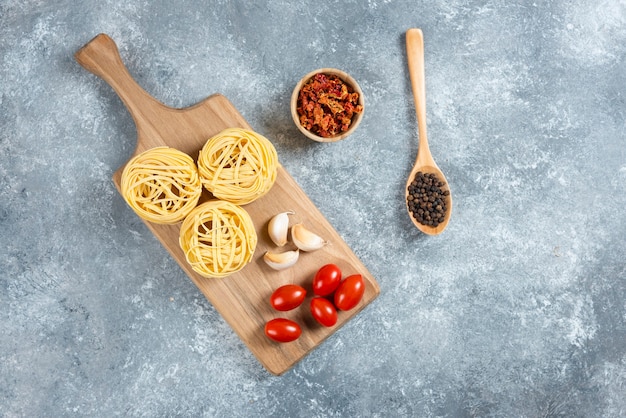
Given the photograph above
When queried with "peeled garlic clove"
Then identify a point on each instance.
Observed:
(278, 227)
(306, 240)
(281, 261)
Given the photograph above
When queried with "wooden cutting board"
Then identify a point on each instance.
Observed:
(241, 298)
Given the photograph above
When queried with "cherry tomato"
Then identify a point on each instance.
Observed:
(323, 311)
(326, 280)
(287, 297)
(349, 292)
(282, 330)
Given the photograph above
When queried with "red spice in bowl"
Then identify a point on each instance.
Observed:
(327, 105)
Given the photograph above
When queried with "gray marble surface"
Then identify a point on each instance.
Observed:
(517, 309)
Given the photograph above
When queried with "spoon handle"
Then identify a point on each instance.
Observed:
(415, 58)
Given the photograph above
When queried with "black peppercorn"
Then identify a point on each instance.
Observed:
(427, 200)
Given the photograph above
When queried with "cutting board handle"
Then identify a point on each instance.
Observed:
(101, 57)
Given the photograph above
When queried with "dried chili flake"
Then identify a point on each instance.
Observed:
(326, 105)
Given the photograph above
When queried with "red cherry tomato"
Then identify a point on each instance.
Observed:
(326, 280)
(282, 330)
(287, 297)
(323, 311)
(349, 292)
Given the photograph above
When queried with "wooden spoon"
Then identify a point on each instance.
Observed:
(424, 162)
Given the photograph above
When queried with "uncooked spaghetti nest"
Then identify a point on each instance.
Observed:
(161, 185)
(238, 165)
(218, 238)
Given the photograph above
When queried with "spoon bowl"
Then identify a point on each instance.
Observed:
(424, 162)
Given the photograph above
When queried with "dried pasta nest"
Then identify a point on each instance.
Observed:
(238, 165)
(161, 185)
(218, 238)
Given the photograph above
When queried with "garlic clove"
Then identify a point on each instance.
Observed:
(281, 261)
(278, 227)
(306, 240)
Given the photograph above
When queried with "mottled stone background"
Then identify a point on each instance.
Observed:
(517, 309)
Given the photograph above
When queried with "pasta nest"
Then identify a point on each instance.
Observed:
(161, 185)
(218, 238)
(238, 165)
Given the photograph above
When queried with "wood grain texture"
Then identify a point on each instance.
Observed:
(242, 298)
